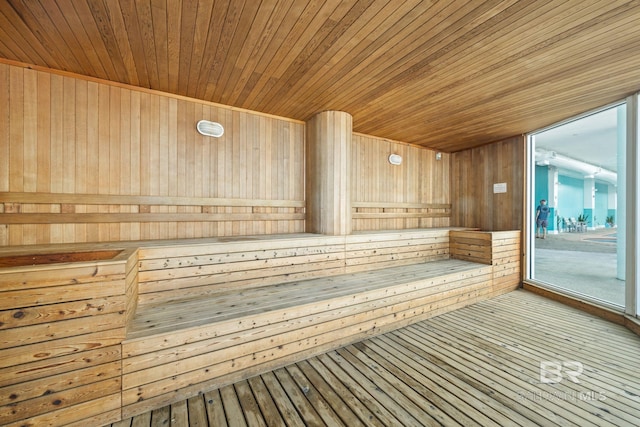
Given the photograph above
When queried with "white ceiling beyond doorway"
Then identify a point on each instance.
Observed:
(591, 139)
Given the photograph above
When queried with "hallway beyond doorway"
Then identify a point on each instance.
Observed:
(584, 263)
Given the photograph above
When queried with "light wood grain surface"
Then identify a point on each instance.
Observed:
(446, 75)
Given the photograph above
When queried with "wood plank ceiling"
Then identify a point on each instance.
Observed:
(443, 74)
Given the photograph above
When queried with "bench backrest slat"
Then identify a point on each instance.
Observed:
(177, 272)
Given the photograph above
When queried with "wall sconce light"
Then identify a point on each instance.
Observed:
(395, 159)
(208, 128)
(438, 156)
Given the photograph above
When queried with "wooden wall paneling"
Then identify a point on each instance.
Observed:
(16, 152)
(92, 165)
(281, 159)
(272, 174)
(225, 174)
(263, 186)
(181, 161)
(253, 171)
(4, 143)
(411, 177)
(103, 145)
(145, 148)
(411, 195)
(163, 147)
(95, 138)
(250, 162)
(160, 144)
(234, 164)
(252, 165)
(460, 191)
(203, 184)
(473, 175)
(233, 156)
(123, 154)
(484, 164)
(422, 177)
(208, 167)
(113, 126)
(508, 207)
(30, 131)
(68, 135)
(514, 170)
(172, 147)
(5, 123)
(81, 156)
(154, 171)
(287, 164)
(297, 174)
(29, 142)
(16, 128)
(262, 152)
(282, 184)
(135, 153)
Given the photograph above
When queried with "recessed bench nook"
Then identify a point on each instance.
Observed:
(155, 322)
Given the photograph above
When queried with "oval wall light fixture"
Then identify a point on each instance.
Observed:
(208, 128)
(395, 159)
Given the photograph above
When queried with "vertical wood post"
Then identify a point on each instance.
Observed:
(328, 172)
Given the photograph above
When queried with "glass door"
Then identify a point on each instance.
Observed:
(577, 205)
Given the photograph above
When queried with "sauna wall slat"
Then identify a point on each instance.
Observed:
(473, 173)
(100, 146)
(414, 194)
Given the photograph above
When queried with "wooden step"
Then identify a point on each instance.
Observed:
(175, 347)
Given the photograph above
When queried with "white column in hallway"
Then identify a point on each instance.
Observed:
(552, 194)
(612, 202)
(589, 205)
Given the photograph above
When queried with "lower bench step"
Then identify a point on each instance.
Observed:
(212, 342)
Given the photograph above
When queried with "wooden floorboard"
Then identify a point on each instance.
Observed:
(479, 365)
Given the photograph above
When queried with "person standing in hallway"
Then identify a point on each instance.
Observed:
(542, 219)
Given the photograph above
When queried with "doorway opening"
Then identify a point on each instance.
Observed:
(577, 206)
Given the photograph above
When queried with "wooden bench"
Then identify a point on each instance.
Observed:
(191, 316)
(212, 314)
(63, 317)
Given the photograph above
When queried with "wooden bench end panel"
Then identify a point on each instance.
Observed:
(62, 325)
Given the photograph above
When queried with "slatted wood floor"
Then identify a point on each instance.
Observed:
(479, 365)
